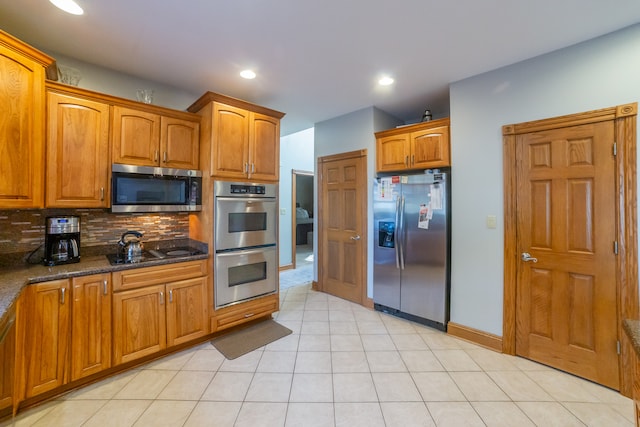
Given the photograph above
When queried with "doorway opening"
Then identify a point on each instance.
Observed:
(302, 219)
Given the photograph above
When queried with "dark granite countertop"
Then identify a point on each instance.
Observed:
(13, 279)
(632, 328)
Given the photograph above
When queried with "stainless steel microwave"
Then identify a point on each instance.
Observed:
(155, 189)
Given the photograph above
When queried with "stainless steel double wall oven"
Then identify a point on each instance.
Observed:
(245, 236)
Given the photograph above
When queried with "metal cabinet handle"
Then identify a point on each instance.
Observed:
(171, 295)
(526, 257)
(101, 194)
(246, 167)
(155, 156)
(164, 157)
(63, 292)
(161, 298)
(406, 160)
(253, 168)
(105, 290)
(248, 315)
(413, 159)
(356, 237)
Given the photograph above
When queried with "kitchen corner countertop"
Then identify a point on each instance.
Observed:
(632, 328)
(13, 279)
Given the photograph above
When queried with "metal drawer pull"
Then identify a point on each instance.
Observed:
(248, 315)
(161, 297)
(63, 292)
(104, 287)
(356, 237)
(171, 295)
(526, 257)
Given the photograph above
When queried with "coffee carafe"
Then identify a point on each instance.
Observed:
(62, 240)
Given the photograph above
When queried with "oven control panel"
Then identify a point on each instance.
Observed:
(247, 189)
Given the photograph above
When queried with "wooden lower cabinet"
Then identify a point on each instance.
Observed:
(139, 323)
(186, 310)
(244, 312)
(7, 363)
(90, 325)
(45, 317)
(156, 310)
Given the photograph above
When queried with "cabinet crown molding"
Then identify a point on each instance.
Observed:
(209, 97)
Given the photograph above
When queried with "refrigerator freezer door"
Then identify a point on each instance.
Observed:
(386, 272)
(424, 290)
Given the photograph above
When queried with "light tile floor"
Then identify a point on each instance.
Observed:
(344, 365)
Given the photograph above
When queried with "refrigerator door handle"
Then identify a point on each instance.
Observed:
(402, 234)
(396, 233)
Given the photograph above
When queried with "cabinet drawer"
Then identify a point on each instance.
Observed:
(236, 315)
(146, 276)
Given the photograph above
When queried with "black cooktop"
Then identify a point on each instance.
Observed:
(156, 254)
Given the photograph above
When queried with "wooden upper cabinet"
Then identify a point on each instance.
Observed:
(78, 167)
(136, 137)
(22, 109)
(242, 139)
(265, 151)
(420, 146)
(179, 143)
(148, 139)
(230, 150)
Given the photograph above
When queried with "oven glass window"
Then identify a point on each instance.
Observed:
(247, 273)
(247, 221)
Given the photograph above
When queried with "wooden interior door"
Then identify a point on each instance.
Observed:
(566, 306)
(342, 227)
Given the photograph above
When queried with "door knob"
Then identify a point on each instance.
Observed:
(526, 257)
(356, 237)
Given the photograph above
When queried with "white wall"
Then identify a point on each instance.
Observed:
(596, 74)
(114, 83)
(296, 152)
(351, 132)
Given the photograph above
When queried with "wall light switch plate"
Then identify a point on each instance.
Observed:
(283, 211)
(492, 221)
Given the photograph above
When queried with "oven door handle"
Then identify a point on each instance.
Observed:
(246, 199)
(252, 251)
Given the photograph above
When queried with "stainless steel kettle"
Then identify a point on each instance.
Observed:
(130, 248)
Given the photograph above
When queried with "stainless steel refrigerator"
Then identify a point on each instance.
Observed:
(412, 234)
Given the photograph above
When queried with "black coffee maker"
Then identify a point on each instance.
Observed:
(62, 240)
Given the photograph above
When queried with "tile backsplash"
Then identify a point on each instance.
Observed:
(22, 231)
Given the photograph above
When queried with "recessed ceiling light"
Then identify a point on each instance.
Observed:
(247, 74)
(68, 6)
(385, 81)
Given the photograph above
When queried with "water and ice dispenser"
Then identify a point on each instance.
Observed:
(385, 234)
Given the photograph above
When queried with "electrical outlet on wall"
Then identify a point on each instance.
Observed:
(283, 211)
(492, 221)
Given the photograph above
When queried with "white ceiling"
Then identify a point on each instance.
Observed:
(315, 60)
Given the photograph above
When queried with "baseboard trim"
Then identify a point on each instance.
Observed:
(484, 339)
(286, 267)
(368, 303)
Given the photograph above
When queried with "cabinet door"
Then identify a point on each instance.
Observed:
(264, 137)
(187, 314)
(21, 131)
(430, 148)
(230, 144)
(7, 363)
(179, 143)
(91, 325)
(46, 323)
(77, 152)
(136, 137)
(139, 323)
(392, 153)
